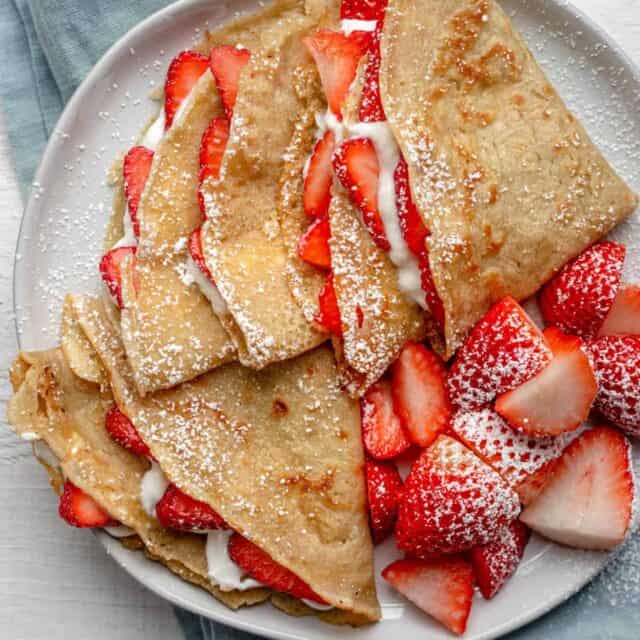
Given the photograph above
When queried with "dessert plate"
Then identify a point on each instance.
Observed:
(61, 236)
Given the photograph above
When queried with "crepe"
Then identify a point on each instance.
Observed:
(505, 178)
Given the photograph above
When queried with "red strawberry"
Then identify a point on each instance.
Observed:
(495, 562)
(336, 56)
(313, 246)
(371, 109)
(212, 147)
(559, 398)
(624, 316)
(121, 429)
(328, 316)
(451, 502)
(441, 588)
(434, 302)
(226, 63)
(616, 361)
(177, 510)
(356, 165)
(382, 431)
(110, 266)
(362, 9)
(587, 502)
(317, 183)
(195, 249)
(383, 484)
(184, 72)
(81, 510)
(136, 168)
(413, 229)
(418, 383)
(504, 350)
(261, 567)
(578, 299)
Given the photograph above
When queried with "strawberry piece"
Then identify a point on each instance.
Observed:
(337, 56)
(624, 316)
(413, 230)
(183, 74)
(317, 183)
(195, 249)
(495, 562)
(313, 246)
(382, 431)
(441, 588)
(136, 169)
(371, 109)
(579, 297)
(226, 63)
(434, 302)
(616, 361)
(261, 567)
(383, 484)
(176, 510)
(362, 9)
(587, 502)
(452, 501)
(559, 398)
(356, 165)
(418, 384)
(121, 429)
(328, 316)
(110, 269)
(212, 147)
(503, 351)
(80, 510)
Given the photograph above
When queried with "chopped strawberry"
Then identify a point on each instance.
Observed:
(195, 249)
(121, 429)
(337, 56)
(80, 510)
(362, 9)
(356, 165)
(413, 230)
(495, 562)
(212, 147)
(313, 246)
(226, 63)
(261, 567)
(578, 299)
(184, 72)
(328, 316)
(441, 588)
(587, 503)
(371, 109)
(136, 168)
(452, 501)
(434, 302)
(176, 510)
(110, 267)
(616, 361)
(382, 431)
(504, 350)
(383, 484)
(317, 183)
(418, 384)
(624, 316)
(560, 397)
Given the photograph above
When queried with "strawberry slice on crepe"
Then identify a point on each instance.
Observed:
(136, 169)
(362, 9)
(110, 269)
(313, 246)
(328, 316)
(176, 510)
(371, 109)
(317, 182)
(121, 429)
(624, 316)
(80, 510)
(183, 74)
(212, 147)
(383, 484)
(195, 249)
(226, 63)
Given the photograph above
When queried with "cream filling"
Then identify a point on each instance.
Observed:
(193, 274)
(222, 571)
(348, 26)
(119, 531)
(152, 487)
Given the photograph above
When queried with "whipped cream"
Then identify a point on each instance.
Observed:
(222, 571)
(348, 25)
(119, 531)
(193, 274)
(317, 605)
(30, 436)
(152, 487)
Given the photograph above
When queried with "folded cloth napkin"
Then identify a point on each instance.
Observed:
(49, 47)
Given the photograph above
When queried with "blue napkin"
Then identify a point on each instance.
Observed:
(48, 48)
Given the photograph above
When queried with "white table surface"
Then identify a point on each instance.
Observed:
(56, 582)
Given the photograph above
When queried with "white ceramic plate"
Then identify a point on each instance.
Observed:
(63, 225)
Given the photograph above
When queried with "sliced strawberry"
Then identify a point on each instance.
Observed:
(337, 56)
(121, 429)
(176, 510)
(317, 183)
(356, 165)
(441, 588)
(212, 147)
(578, 299)
(452, 501)
(616, 361)
(328, 315)
(418, 384)
(383, 484)
(434, 302)
(195, 249)
(110, 267)
(226, 63)
(183, 74)
(362, 9)
(560, 397)
(504, 350)
(371, 109)
(261, 567)
(413, 230)
(80, 510)
(495, 562)
(313, 246)
(382, 431)
(587, 502)
(136, 168)
(624, 316)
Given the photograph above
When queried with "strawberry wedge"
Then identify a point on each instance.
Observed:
(183, 74)
(136, 169)
(317, 183)
(328, 316)
(624, 316)
(111, 270)
(80, 510)
(313, 246)
(176, 510)
(122, 431)
(383, 484)
(226, 64)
